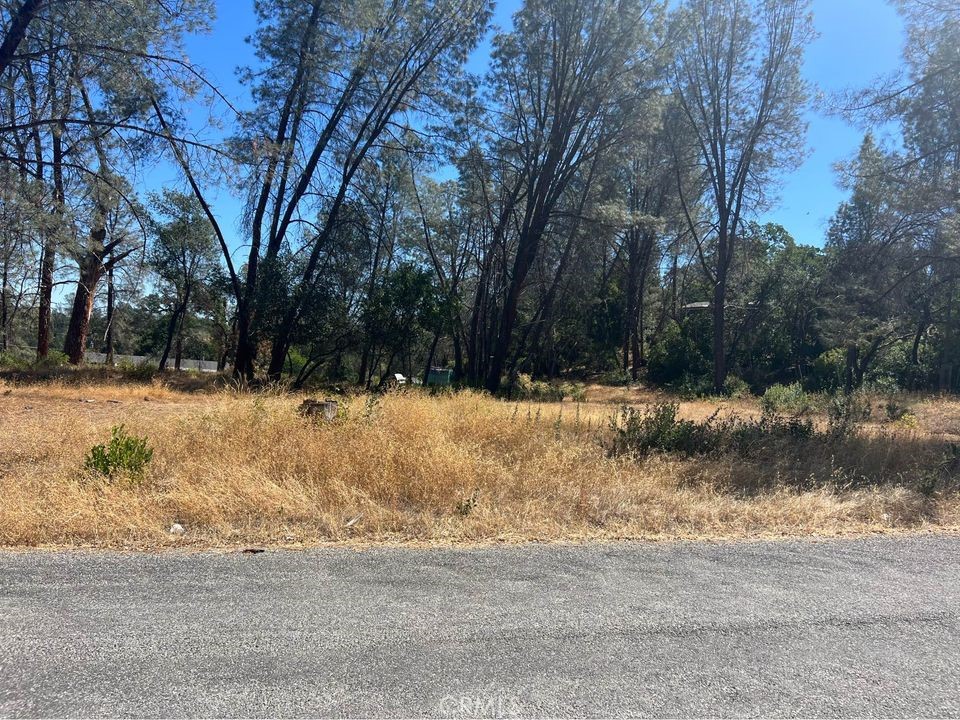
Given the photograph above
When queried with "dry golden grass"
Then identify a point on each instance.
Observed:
(242, 469)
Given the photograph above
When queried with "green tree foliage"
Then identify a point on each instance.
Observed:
(185, 257)
(589, 206)
(737, 78)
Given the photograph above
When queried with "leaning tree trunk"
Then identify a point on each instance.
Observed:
(526, 254)
(17, 31)
(433, 350)
(171, 332)
(91, 270)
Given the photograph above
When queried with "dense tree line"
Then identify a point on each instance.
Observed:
(586, 206)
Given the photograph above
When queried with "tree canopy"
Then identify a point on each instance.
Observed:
(589, 205)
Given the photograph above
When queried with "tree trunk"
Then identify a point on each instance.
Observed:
(475, 367)
(48, 256)
(457, 356)
(16, 32)
(507, 320)
(4, 319)
(49, 253)
(110, 316)
(719, 322)
(526, 253)
(637, 343)
(280, 348)
(385, 377)
(46, 299)
(243, 363)
(853, 354)
(630, 317)
(433, 350)
(91, 270)
(364, 365)
(171, 332)
(228, 347)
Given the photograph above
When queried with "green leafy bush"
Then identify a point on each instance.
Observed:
(124, 454)
(526, 388)
(616, 378)
(138, 372)
(54, 359)
(692, 387)
(785, 398)
(736, 387)
(23, 359)
(681, 353)
(575, 391)
(827, 371)
(895, 409)
(13, 360)
(658, 429)
(847, 411)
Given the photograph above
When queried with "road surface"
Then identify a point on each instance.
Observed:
(801, 628)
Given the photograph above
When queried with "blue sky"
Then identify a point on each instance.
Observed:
(858, 40)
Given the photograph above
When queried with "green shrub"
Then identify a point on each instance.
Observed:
(618, 378)
(54, 359)
(882, 384)
(14, 360)
(575, 391)
(526, 388)
(847, 411)
(139, 372)
(895, 409)
(691, 387)
(908, 421)
(736, 387)
(23, 359)
(828, 370)
(785, 398)
(681, 352)
(657, 428)
(124, 454)
(640, 432)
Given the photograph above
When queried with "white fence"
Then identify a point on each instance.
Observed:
(96, 358)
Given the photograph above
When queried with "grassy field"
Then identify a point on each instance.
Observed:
(242, 469)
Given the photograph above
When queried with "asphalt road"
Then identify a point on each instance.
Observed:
(828, 628)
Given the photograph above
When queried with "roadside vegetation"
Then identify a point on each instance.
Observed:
(541, 286)
(237, 468)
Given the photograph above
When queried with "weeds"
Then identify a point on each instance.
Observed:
(895, 409)
(466, 506)
(458, 468)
